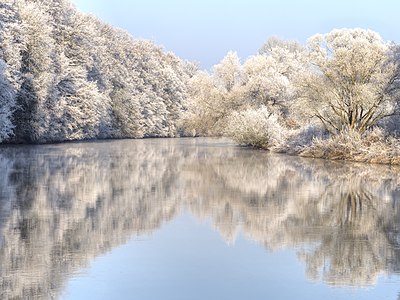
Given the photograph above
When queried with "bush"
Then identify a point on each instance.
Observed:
(255, 127)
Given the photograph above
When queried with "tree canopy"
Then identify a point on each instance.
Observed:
(66, 75)
(352, 81)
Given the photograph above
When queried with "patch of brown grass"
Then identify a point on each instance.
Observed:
(372, 147)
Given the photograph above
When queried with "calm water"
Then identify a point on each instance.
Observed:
(194, 219)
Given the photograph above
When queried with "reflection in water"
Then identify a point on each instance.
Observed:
(63, 205)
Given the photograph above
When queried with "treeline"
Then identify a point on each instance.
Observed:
(65, 75)
(337, 98)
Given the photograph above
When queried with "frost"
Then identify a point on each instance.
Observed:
(65, 75)
(255, 127)
(72, 77)
(310, 101)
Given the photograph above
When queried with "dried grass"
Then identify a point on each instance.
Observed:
(372, 147)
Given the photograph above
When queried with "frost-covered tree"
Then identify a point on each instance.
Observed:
(269, 82)
(78, 108)
(275, 42)
(163, 88)
(213, 97)
(270, 75)
(202, 114)
(345, 80)
(76, 77)
(264, 80)
(265, 85)
(7, 105)
(35, 69)
(352, 82)
(228, 72)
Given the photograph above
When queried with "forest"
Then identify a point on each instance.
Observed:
(66, 75)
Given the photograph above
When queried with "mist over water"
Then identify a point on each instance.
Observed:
(62, 206)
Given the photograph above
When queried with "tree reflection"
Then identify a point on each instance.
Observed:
(342, 224)
(63, 205)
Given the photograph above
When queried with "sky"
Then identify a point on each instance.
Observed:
(205, 30)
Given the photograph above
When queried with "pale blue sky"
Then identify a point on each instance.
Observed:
(206, 30)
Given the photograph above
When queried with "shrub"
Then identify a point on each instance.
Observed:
(255, 127)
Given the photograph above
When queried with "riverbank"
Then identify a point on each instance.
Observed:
(372, 147)
(353, 147)
(375, 146)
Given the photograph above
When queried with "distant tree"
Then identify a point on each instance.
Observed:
(262, 81)
(274, 42)
(352, 82)
(270, 75)
(213, 97)
(269, 79)
(228, 72)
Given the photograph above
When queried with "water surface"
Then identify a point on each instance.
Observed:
(194, 219)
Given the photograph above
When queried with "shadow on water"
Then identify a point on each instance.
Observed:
(63, 205)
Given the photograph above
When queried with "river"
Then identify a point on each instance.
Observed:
(194, 219)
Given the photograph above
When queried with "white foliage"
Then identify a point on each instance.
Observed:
(274, 43)
(263, 80)
(266, 83)
(348, 84)
(7, 105)
(78, 78)
(10, 46)
(228, 72)
(37, 45)
(255, 127)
